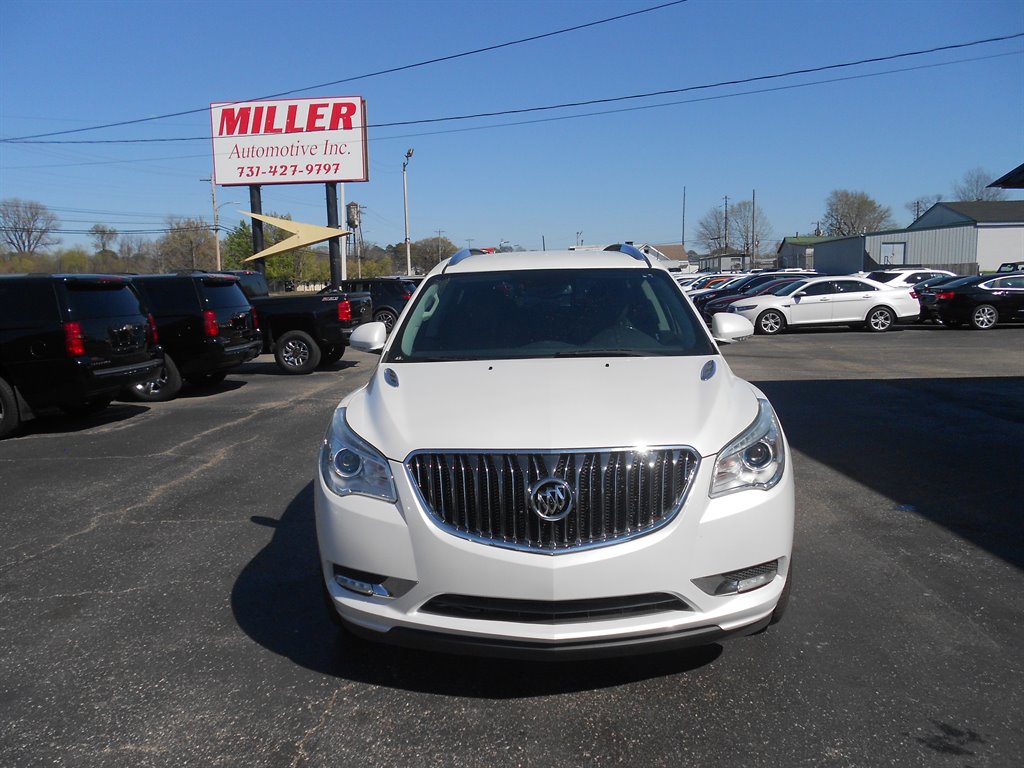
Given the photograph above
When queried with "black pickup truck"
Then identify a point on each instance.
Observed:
(304, 330)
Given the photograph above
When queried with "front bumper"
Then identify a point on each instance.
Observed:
(415, 561)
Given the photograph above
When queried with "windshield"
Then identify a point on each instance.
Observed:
(549, 313)
(882, 277)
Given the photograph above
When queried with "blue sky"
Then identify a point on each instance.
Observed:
(532, 179)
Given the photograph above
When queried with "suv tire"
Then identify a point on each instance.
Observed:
(387, 317)
(296, 352)
(164, 387)
(10, 420)
(206, 379)
(332, 354)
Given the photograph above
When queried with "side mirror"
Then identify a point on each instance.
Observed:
(369, 337)
(727, 328)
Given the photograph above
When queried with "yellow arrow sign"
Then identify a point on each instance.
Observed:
(305, 234)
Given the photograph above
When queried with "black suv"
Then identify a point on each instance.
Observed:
(390, 295)
(70, 341)
(206, 327)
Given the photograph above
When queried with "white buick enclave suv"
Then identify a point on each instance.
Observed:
(505, 484)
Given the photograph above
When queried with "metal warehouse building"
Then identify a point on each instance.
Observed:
(966, 238)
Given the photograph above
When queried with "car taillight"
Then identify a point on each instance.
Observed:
(210, 327)
(406, 296)
(913, 294)
(345, 310)
(255, 319)
(945, 295)
(74, 341)
(154, 337)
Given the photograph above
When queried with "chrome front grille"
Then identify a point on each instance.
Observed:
(615, 494)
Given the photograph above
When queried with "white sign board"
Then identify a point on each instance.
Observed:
(290, 141)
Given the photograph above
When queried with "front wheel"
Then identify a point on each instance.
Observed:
(769, 323)
(387, 317)
(164, 386)
(984, 317)
(296, 352)
(10, 419)
(880, 319)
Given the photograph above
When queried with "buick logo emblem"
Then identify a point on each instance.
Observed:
(551, 499)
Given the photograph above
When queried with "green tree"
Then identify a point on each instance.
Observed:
(103, 237)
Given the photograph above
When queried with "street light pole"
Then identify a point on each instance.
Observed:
(405, 197)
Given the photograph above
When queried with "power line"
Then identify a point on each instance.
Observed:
(613, 99)
(392, 70)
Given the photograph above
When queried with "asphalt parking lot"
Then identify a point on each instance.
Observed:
(159, 598)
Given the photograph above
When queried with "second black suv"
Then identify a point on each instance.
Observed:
(206, 327)
(390, 295)
(70, 341)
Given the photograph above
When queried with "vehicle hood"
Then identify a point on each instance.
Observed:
(546, 404)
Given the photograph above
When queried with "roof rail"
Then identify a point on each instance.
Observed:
(630, 250)
(462, 255)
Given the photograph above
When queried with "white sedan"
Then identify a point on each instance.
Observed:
(848, 300)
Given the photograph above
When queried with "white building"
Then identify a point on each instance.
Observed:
(965, 237)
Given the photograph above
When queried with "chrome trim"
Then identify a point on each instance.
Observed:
(484, 496)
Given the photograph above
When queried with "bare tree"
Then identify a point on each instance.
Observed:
(748, 227)
(26, 226)
(103, 237)
(974, 186)
(711, 230)
(188, 244)
(854, 213)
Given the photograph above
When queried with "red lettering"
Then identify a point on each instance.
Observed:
(314, 115)
(234, 121)
(268, 124)
(341, 113)
(289, 123)
(257, 120)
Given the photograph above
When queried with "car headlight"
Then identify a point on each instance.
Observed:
(755, 459)
(349, 464)
(743, 308)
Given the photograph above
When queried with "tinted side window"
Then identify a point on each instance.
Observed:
(26, 302)
(820, 289)
(91, 301)
(853, 286)
(169, 296)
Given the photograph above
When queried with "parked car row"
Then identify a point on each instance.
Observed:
(76, 342)
(774, 301)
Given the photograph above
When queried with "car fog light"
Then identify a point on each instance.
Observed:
(369, 584)
(738, 582)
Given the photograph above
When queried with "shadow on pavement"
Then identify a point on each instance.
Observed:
(950, 450)
(277, 601)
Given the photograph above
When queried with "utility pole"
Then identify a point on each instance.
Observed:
(753, 235)
(439, 233)
(469, 242)
(726, 238)
(682, 240)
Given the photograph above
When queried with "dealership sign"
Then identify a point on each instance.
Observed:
(291, 141)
